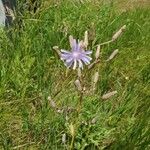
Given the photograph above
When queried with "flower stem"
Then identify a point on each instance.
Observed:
(72, 141)
(106, 42)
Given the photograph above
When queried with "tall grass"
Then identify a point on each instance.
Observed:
(31, 71)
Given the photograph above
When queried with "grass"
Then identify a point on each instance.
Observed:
(31, 72)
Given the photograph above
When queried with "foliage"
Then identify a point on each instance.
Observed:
(31, 71)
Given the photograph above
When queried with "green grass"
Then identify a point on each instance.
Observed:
(31, 71)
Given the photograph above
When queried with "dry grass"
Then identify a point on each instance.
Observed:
(124, 5)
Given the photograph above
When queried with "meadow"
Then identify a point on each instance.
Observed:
(42, 107)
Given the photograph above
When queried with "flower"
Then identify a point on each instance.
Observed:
(77, 56)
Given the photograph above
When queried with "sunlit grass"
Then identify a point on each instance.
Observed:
(31, 71)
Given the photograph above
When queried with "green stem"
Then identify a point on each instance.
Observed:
(72, 141)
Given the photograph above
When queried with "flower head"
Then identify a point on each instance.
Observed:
(77, 56)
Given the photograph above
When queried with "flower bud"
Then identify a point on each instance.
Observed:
(115, 52)
(71, 40)
(108, 95)
(86, 39)
(81, 44)
(95, 77)
(94, 120)
(78, 85)
(97, 54)
(95, 80)
(118, 33)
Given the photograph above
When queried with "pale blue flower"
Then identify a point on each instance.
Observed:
(77, 56)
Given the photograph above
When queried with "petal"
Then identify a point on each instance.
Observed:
(64, 51)
(68, 64)
(80, 64)
(85, 56)
(65, 56)
(85, 60)
(88, 52)
(75, 64)
(69, 60)
(89, 58)
(76, 46)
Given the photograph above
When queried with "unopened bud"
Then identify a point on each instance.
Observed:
(78, 85)
(118, 33)
(95, 77)
(94, 120)
(55, 47)
(86, 39)
(95, 80)
(97, 54)
(108, 95)
(81, 44)
(115, 52)
(71, 40)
